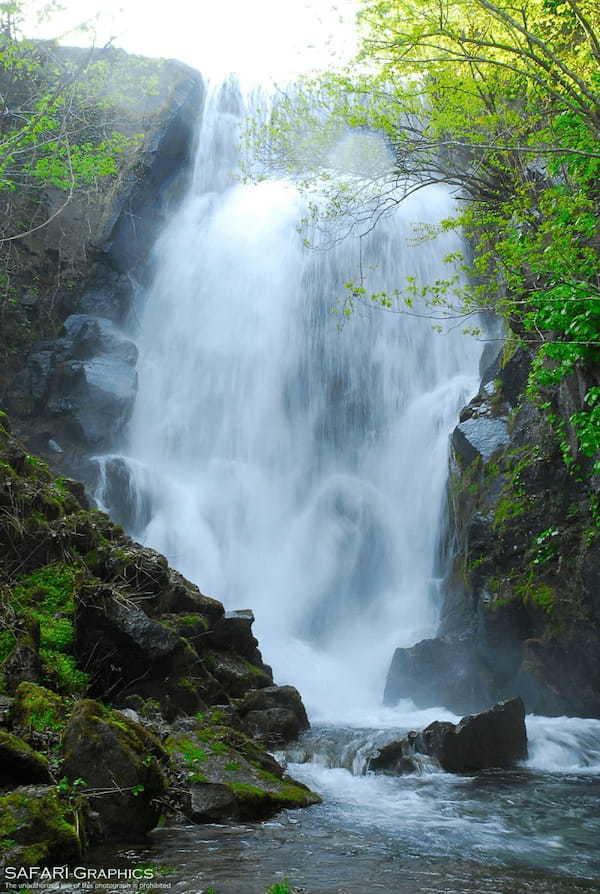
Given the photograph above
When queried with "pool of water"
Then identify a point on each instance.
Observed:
(532, 829)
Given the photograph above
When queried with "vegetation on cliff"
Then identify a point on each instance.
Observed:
(108, 711)
(502, 102)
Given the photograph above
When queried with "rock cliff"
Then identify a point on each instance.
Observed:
(67, 366)
(126, 694)
(521, 610)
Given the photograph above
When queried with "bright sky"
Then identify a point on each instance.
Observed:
(259, 39)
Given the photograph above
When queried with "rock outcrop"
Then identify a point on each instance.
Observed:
(67, 367)
(521, 611)
(151, 700)
(496, 738)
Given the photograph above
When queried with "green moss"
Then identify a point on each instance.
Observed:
(197, 777)
(48, 596)
(282, 887)
(537, 592)
(509, 507)
(7, 643)
(38, 709)
(269, 777)
(285, 795)
(40, 826)
(187, 749)
(62, 671)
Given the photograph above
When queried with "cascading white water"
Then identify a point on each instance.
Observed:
(283, 464)
(299, 470)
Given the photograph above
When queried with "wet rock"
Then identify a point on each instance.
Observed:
(38, 829)
(445, 671)
(211, 803)
(129, 504)
(514, 375)
(183, 597)
(228, 775)
(24, 662)
(19, 763)
(87, 336)
(479, 437)
(233, 633)
(393, 759)
(121, 763)
(495, 738)
(236, 674)
(275, 715)
(130, 653)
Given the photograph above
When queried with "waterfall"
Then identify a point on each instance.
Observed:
(280, 462)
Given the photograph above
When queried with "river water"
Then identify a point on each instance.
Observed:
(290, 465)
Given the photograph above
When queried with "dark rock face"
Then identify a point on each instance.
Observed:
(120, 759)
(19, 763)
(445, 670)
(233, 632)
(212, 803)
(274, 715)
(496, 738)
(71, 396)
(478, 437)
(521, 610)
(131, 653)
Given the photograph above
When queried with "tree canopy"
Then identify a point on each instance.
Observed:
(501, 101)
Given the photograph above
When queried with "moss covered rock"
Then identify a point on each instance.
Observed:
(121, 765)
(38, 828)
(229, 777)
(19, 763)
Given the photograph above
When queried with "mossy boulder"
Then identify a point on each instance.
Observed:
(181, 596)
(38, 828)
(122, 765)
(132, 653)
(229, 777)
(236, 674)
(19, 763)
(274, 715)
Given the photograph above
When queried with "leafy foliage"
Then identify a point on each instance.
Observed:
(58, 128)
(502, 102)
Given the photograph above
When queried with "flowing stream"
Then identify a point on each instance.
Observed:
(297, 467)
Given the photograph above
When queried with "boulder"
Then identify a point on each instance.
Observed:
(130, 505)
(233, 632)
(180, 596)
(22, 664)
(37, 828)
(89, 335)
(131, 653)
(121, 764)
(236, 674)
(211, 803)
(495, 738)
(275, 715)
(479, 436)
(19, 763)
(227, 775)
